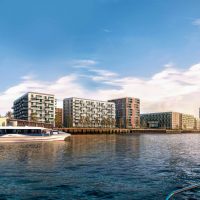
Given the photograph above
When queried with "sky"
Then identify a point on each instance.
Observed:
(102, 49)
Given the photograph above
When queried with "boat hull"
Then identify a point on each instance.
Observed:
(29, 138)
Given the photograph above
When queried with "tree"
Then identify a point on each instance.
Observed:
(113, 122)
(103, 122)
(107, 122)
(9, 115)
(34, 117)
(96, 120)
(82, 121)
(127, 123)
(143, 124)
(69, 121)
(137, 123)
(110, 122)
(87, 121)
(58, 123)
(120, 122)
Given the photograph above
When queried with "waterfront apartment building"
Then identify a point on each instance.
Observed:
(169, 120)
(3, 121)
(59, 118)
(127, 112)
(166, 120)
(80, 112)
(199, 112)
(36, 107)
(188, 122)
(197, 123)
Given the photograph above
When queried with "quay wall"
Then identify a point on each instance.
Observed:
(109, 130)
(122, 131)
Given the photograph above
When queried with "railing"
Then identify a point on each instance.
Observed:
(174, 193)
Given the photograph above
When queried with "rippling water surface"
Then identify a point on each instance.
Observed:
(147, 166)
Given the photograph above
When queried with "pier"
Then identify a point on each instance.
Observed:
(123, 131)
(109, 130)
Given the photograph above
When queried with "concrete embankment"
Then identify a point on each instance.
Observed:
(94, 130)
(123, 131)
(117, 131)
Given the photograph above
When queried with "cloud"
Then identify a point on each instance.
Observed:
(100, 74)
(196, 22)
(170, 64)
(83, 63)
(63, 87)
(171, 89)
(107, 30)
(96, 74)
(28, 77)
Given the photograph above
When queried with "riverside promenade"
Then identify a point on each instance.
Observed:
(122, 131)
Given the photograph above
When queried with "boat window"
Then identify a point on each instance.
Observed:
(21, 131)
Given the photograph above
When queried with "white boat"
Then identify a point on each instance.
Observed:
(30, 134)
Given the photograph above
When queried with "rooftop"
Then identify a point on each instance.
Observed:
(123, 98)
(33, 93)
(87, 99)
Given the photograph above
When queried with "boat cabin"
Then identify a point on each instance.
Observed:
(22, 130)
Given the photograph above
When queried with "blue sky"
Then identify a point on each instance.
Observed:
(44, 41)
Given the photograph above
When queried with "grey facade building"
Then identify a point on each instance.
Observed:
(80, 112)
(35, 107)
(127, 112)
(166, 120)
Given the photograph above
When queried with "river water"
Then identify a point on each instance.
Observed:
(143, 166)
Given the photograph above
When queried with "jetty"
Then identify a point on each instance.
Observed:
(123, 131)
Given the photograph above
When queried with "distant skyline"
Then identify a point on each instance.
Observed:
(102, 49)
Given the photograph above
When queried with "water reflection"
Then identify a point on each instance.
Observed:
(99, 144)
(100, 167)
(36, 151)
(79, 145)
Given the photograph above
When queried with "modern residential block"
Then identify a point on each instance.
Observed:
(59, 118)
(197, 123)
(80, 112)
(35, 107)
(188, 122)
(166, 120)
(199, 112)
(169, 120)
(3, 121)
(127, 112)
(20, 122)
